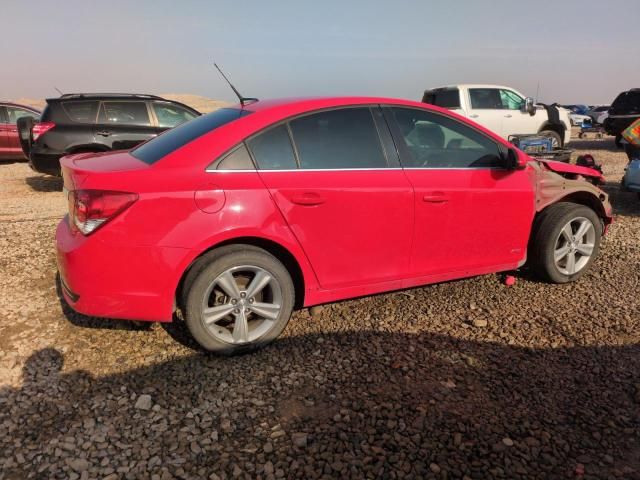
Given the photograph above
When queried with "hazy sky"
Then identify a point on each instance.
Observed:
(578, 51)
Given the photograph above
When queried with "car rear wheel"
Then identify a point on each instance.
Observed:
(237, 298)
(565, 241)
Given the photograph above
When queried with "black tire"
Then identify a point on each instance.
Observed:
(555, 135)
(618, 141)
(546, 232)
(203, 274)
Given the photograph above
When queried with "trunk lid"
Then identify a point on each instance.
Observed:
(76, 168)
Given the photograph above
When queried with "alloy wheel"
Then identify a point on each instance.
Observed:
(242, 304)
(574, 246)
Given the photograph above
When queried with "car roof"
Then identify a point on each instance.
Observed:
(13, 104)
(315, 103)
(469, 85)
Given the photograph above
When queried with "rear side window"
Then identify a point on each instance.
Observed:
(238, 159)
(82, 111)
(485, 98)
(449, 98)
(153, 150)
(124, 113)
(170, 115)
(272, 149)
(14, 113)
(335, 139)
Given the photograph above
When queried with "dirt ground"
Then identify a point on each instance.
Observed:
(404, 385)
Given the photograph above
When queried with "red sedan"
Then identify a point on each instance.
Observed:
(10, 148)
(240, 216)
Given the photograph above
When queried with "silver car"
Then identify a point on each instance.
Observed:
(631, 179)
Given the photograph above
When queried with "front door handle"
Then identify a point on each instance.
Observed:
(436, 197)
(308, 199)
(508, 115)
(103, 133)
(474, 115)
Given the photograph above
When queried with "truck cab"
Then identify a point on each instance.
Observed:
(503, 110)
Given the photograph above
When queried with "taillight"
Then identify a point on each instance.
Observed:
(41, 128)
(90, 209)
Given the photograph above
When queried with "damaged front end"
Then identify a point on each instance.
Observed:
(564, 182)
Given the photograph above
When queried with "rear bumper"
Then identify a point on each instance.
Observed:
(117, 281)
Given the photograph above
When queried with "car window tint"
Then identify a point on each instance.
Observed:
(445, 98)
(511, 100)
(436, 141)
(344, 138)
(272, 149)
(81, 111)
(238, 159)
(155, 149)
(15, 113)
(124, 113)
(170, 115)
(485, 98)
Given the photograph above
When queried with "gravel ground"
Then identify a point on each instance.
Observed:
(469, 379)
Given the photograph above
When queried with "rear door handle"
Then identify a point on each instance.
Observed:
(436, 197)
(104, 133)
(474, 115)
(508, 115)
(308, 199)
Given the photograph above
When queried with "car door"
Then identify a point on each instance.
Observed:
(123, 124)
(342, 193)
(515, 119)
(485, 107)
(471, 215)
(4, 133)
(13, 114)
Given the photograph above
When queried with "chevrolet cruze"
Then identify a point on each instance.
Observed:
(240, 216)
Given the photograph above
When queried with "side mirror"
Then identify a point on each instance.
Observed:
(514, 160)
(529, 106)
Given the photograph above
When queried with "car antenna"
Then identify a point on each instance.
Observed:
(58, 90)
(243, 100)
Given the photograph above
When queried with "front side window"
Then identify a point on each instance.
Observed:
(511, 100)
(15, 113)
(83, 111)
(124, 113)
(171, 140)
(437, 141)
(338, 139)
(170, 115)
(485, 98)
(272, 149)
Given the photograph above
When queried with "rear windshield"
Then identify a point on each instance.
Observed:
(153, 150)
(627, 102)
(449, 98)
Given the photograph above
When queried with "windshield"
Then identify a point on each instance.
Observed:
(153, 150)
(627, 102)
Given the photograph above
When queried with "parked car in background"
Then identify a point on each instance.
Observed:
(246, 213)
(579, 109)
(624, 110)
(502, 110)
(578, 120)
(599, 114)
(97, 122)
(9, 140)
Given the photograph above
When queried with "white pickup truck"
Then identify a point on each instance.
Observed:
(503, 110)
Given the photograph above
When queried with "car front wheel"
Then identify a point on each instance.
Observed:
(566, 239)
(237, 298)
